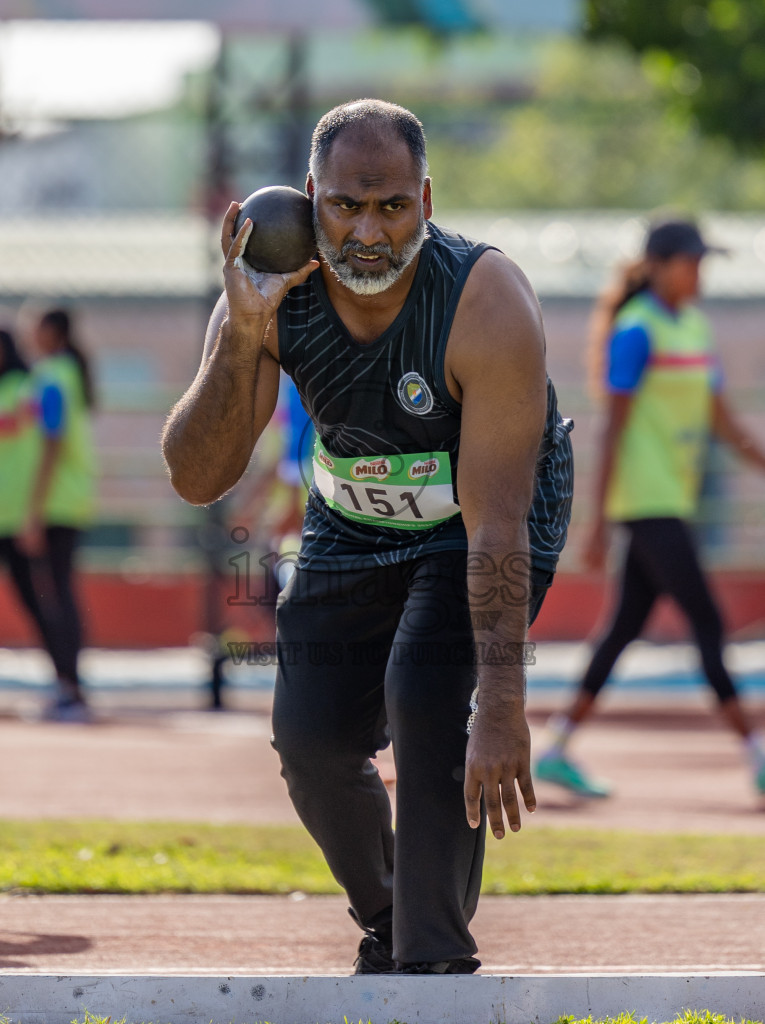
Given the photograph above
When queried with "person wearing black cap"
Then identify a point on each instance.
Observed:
(664, 401)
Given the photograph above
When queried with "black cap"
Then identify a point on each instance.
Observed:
(676, 237)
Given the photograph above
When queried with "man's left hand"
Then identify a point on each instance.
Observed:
(498, 757)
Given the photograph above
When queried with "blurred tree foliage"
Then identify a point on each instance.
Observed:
(708, 56)
(596, 133)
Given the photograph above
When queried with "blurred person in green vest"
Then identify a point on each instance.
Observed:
(61, 500)
(19, 451)
(664, 402)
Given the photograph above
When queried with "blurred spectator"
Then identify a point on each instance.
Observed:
(19, 450)
(665, 399)
(61, 499)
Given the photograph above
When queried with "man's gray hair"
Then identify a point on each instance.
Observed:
(379, 115)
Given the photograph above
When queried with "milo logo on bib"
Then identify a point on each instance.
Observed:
(410, 491)
(371, 469)
(418, 470)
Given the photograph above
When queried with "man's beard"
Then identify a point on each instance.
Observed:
(369, 282)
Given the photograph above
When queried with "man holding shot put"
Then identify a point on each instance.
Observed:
(420, 358)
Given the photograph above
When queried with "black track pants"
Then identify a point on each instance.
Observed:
(20, 572)
(366, 657)
(661, 559)
(59, 595)
(45, 587)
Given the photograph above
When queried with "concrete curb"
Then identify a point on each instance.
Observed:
(481, 999)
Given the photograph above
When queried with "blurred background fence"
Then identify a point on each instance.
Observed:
(553, 133)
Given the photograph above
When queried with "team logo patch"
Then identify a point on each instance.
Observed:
(414, 395)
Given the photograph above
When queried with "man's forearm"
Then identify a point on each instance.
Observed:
(499, 747)
(498, 588)
(209, 435)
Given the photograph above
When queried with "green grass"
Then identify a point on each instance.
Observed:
(127, 857)
(688, 1017)
(578, 861)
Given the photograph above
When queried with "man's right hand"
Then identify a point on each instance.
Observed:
(251, 294)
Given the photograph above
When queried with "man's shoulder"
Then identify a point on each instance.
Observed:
(446, 240)
(477, 263)
(463, 247)
(498, 320)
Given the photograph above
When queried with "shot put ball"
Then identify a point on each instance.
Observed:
(282, 237)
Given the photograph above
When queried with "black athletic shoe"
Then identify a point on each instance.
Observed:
(465, 965)
(374, 957)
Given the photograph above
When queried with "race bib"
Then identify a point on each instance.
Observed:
(410, 492)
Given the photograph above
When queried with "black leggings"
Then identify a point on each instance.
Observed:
(44, 586)
(20, 571)
(662, 559)
(61, 544)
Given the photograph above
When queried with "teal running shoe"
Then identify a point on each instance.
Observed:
(564, 773)
(760, 780)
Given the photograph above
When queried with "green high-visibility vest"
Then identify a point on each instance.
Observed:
(660, 455)
(19, 450)
(71, 496)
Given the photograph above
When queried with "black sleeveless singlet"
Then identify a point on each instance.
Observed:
(390, 397)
